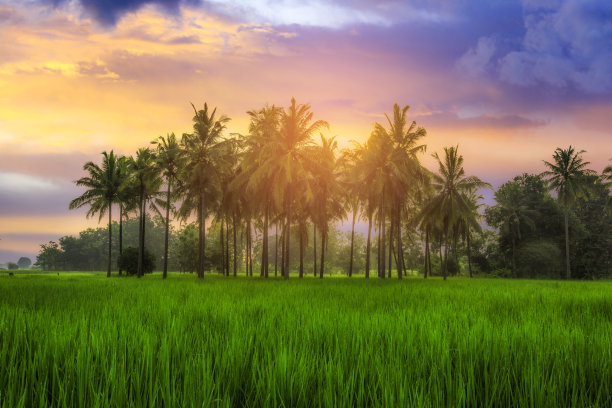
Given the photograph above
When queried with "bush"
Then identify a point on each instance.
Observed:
(12, 265)
(128, 261)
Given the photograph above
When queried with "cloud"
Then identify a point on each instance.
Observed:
(565, 44)
(108, 12)
(475, 61)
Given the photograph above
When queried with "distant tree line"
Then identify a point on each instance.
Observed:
(276, 188)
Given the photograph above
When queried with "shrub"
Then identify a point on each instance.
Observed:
(128, 261)
(12, 265)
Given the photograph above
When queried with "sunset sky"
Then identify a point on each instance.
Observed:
(508, 81)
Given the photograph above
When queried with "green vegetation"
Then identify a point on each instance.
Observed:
(273, 197)
(82, 340)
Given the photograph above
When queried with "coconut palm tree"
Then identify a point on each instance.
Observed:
(512, 215)
(145, 181)
(449, 203)
(566, 175)
(327, 190)
(169, 160)
(469, 222)
(283, 165)
(102, 189)
(200, 174)
(255, 178)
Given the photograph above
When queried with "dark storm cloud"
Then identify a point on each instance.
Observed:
(108, 12)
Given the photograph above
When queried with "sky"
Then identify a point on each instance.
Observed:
(508, 81)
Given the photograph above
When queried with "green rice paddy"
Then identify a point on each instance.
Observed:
(88, 341)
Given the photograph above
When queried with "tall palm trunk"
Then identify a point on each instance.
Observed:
(110, 238)
(368, 244)
(288, 238)
(383, 236)
(120, 234)
(323, 242)
(352, 244)
(445, 269)
(246, 250)
(400, 251)
(222, 240)
(235, 246)
(165, 274)
(140, 231)
(469, 254)
(391, 230)
(264, 253)
(276, 251)
(427, 260)
(302, 226)
(227, 251)
(568, 273)
(314, 234)
(201, 226)
(378, 246)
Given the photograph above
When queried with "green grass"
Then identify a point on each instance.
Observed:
(84, 340)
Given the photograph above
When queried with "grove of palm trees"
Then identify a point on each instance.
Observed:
(287, 181)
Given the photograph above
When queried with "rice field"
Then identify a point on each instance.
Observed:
(88, 341)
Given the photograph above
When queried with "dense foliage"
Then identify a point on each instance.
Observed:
(128, 261)
(271, 198)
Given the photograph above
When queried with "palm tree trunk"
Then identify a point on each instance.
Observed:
(427, 260)
(314, 234)
(568, 272)
(235, 246)
(378, 246)
(368, 244)
(352, 244)
(200, 260)
(469, 254)
(444, 273)
(264, 253)
(276, 251)
(323, 241)
(391, 228)
(250, 253)
(301, 249)
(120, 233)
(165, 274)
(383, 241)
(222, 239)
(227, 248)
(110, 238)
(140, 231)
(247, 243)
(288, 238)
(400, 253)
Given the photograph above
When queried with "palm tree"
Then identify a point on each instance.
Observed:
(283, 165)
(511, 214)
(327, 189)
(450, 204)
(102, 184)
(255, 178)
(169, 161)
(567, 177)
(126, 198)
(146, 182)
(470, 222)
(200, 175)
